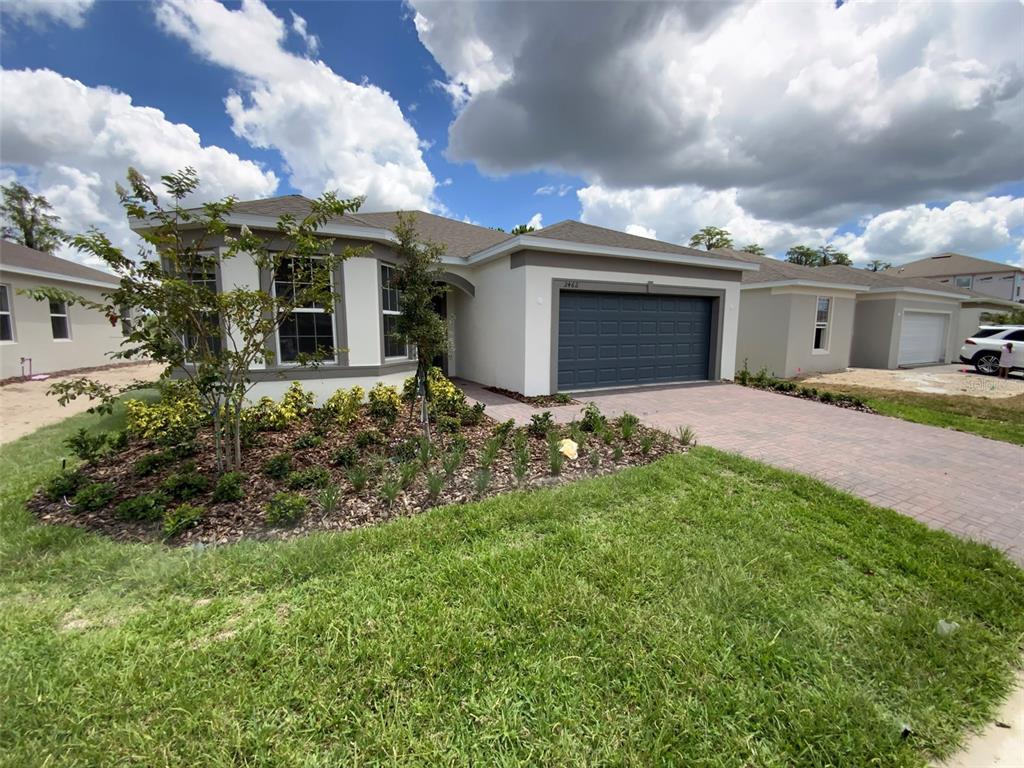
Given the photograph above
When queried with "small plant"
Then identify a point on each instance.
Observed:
(314, 477)
(743, 375)
(503, 430)
(296, 402)
(181, 518)
(286, 508)
(322, 420)
(357, 477)
(186, 484)
(452, 460)
(490, 452)
(407, 450)
(447, 424)
(308, 440)
(562, 398)
(328, 498)
(578, 435)
(826, 397)
(435, 484)
(593, 420)
(85, 446)
(541, 424)
(346, 456)
(617, 453)
(407, 474)
(472, 415)
(627, 426)
(150, 463)
(687, 435)
(118, 441)
(229, 487)
(145, 506)
(369, 438)
(595, 460)
(384, 403)
(646, 444)
(389, 490)
(424, 451)
(556, 459)
(520, 461)
(93, 496)
(481, 480)
(183, 450)
(345, 404)
(278, 467)
(607, 435)
(66, 483)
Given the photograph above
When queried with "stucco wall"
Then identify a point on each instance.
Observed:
(873, 343)
(763, 331)
(361, 305)
(325, 387)
(801, 358)
(1001, 285)
(92, 340)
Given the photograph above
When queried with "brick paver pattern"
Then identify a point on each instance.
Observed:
(970, 486)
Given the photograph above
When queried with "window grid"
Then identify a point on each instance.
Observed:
(202, 278)
(309, 329)
(6, 318)
(822, 312)
(59, 322)
(390, 302)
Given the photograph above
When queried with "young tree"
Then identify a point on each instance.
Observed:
(27, 219)
(753, 248)
(805, 255)
(419, 324)
(829, 254)
(711, 238)
(877, 265)
(212, 338)
(521, 229)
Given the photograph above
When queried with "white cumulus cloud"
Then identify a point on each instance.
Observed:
(40, 12)
(331, 133)
(311, 41)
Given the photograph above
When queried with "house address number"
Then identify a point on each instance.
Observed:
(571, 284)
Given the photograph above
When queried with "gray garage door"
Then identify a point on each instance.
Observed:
(618, 339)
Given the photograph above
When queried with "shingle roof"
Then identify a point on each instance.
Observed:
(950, 264)
(459, 238)
(886, 279)
(19, 256)
(774, 271)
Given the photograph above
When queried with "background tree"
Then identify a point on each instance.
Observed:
(522, 229)
(419, 324)
(803, 254)
(711, 238)
(753, 248)
(214, 339)
(27, 219)
(877, 265)
(831, 255)
(1014, 317)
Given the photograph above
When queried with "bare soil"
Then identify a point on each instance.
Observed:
(537, 401)
(25, 406)
(944, 380)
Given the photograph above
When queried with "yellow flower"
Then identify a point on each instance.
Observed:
(568, 448)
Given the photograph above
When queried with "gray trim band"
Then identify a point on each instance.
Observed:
(331, 372)
(458, 281)
(614, 264)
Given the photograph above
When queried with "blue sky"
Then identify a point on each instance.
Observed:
(476, 135)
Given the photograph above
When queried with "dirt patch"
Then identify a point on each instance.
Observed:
(948, 380)
(537, 401)
(25, 406)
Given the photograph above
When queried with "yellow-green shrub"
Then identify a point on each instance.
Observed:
(296, 402)
(163, 420)
(345, 404)
(445, 398)
(384, 401)
(265, 416)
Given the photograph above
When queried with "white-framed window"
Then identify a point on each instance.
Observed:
(6, 316)
(202, 276)
(390, 306)
(963, 282)
(309, 329)
(822, 319)
(60, 323)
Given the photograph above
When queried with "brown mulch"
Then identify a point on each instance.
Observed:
(229, 522)
(537, 401)
(69, 372)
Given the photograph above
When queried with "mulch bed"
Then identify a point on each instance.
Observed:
(537, 401)
(228, 522)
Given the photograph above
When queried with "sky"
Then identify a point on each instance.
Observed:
(893, 131)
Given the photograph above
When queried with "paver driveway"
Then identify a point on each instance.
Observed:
(968, 485)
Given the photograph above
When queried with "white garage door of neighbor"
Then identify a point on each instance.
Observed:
(922, 338)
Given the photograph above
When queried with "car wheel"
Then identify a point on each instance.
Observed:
(986, 362)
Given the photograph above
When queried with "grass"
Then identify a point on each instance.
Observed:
(705, 610)
(995, 418)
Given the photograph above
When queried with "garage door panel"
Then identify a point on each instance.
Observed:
(922, 338)
(609, 339)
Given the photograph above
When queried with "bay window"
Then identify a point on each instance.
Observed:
(308, 332)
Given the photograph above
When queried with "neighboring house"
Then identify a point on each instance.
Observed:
(46, 336)
(568, 307)
(796, 320)
(956, 270)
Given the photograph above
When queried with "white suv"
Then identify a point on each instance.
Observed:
(982, 350)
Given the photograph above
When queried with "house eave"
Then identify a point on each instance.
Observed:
(252, 221)
(918, 291)
(806, 284)
(27, 272)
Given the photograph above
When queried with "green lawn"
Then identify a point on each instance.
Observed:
(995, 418)
(705, 610)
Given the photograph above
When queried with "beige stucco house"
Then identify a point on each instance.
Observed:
(568, 307)
(41, 336)
(956, 271)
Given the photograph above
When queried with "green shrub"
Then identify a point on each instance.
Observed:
(357, 477)
(541, 424)
(265, 416)
(285, 508)
(384, 402)
(406, 450)
(313, 477)
(168, 421)
(435, 484)
(503, 430)
(593, 420)
(93, 496)
(447, 424)
(481, 481)
(329, 498)
(472, 415)
(118, 441)
(308, 440)
(186, 483)
(145, 506)
(181, 518)
(346, 456)
(607, 435)
(489, 453)
(451, 460)
(322, 421)
(229, 487)
(646, 444)
(85, 446)
(743, 375)
(369, 438)
(627, 426)
(277, 467)
(407, 474)
(389, 490)
(445, 398)
(562, 398)
(65, 483)
(345, 404)
(825, 396)
(296, 402)
(150, 463)
(556, 459)
(183, 450)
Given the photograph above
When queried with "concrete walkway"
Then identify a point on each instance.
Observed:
(970, 486)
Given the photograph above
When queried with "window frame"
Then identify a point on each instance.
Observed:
(212, 279)
(825, 325)
(384, 312)
(958, 284)
(65, 315)
(281, 362)
(9, 312)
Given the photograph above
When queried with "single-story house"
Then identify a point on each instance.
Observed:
(956, 270)
(796, 320)
(46, 336)
(568, 307)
